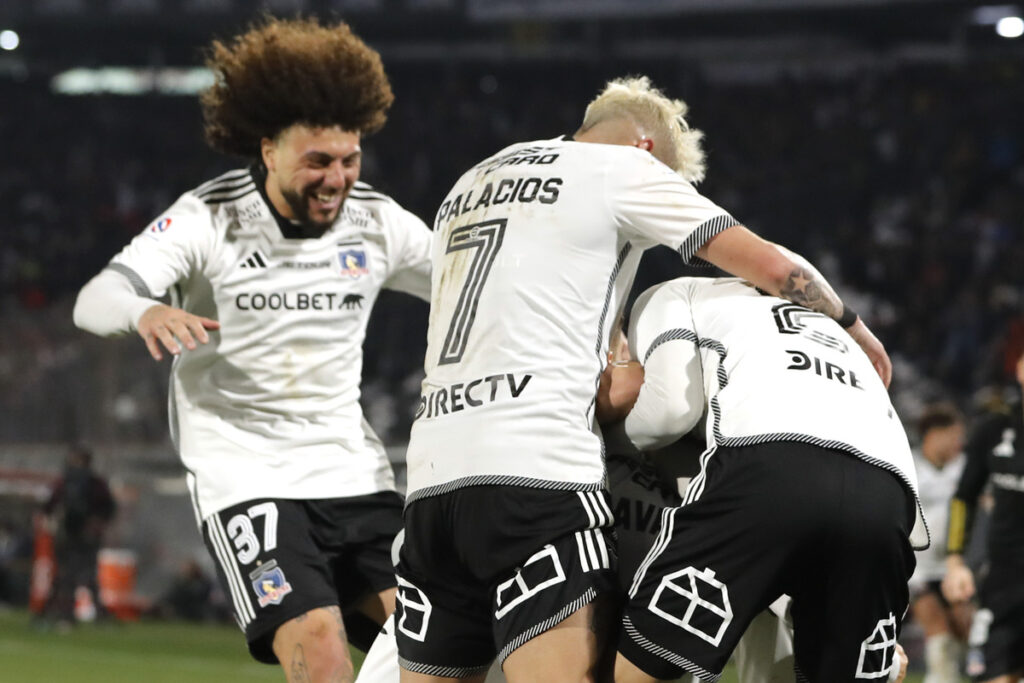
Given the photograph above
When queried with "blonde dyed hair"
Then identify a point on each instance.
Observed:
(660, 117)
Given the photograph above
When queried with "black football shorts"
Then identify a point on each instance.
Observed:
(483, 569)
(819, 525)
(280, 558)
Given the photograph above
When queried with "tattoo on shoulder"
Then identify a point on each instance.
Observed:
(805, 288)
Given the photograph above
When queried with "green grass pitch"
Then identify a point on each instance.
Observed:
(150, 651)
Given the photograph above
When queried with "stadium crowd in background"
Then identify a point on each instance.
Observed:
(903, 186)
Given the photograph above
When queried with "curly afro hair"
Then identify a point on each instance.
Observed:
(284, 72)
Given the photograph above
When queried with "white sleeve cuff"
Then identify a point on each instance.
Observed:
(108, 305)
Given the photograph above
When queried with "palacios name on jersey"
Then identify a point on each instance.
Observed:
(521, 190)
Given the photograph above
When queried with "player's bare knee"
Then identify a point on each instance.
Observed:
(312, 647)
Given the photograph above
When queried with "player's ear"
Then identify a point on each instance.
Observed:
(268, 148)
(646, 144)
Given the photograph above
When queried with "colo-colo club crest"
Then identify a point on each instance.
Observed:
(353, 262)
(269, 583)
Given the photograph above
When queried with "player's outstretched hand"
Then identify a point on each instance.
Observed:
(172, 325)
(871, 346)
(958, 583)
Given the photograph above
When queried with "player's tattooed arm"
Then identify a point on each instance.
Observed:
(778, 271)
(771, 268)
(806, 287)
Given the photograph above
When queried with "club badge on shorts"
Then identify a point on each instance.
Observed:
(269, 583)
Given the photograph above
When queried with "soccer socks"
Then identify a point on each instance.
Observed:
(941, 656)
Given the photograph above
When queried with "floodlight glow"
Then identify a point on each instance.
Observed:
(1010, 27)
(9, 40)
(989, 15)
(125, 80)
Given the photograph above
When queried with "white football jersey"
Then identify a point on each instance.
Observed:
(937, 487)
(270, 407)
(534, 250)
(758, 369)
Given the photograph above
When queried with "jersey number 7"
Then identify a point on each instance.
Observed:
(486, 239)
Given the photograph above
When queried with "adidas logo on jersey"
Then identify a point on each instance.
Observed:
(254, 261)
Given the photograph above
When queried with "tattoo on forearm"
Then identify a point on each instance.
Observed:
(805, 287)
(300, 670)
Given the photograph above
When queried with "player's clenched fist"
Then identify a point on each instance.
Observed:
(172, 325)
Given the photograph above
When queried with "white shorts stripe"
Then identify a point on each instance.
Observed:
(602, 548)
(586, 506)
(667, 524)
(239, 597)
(588, 537)
(602, 504)
(583, 553)
(243, 610)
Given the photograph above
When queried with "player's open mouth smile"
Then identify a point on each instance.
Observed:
(325, 202)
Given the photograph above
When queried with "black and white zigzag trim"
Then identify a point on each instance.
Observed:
(623, 253)
(601, 360)
(670, 335)
(669, 656)
(699, 237)
(443, 671)
(543, 626)
(138, 284)
(499, 480)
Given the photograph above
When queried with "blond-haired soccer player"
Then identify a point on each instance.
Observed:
(507, 550)
(273, 269)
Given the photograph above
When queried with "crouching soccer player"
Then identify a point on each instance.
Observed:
(807, 487)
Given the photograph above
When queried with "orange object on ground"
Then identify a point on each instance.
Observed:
(117, 572)
(44, 566)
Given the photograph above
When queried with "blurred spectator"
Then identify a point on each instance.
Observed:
(940, 461)
(81, 506)
(189, 596)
